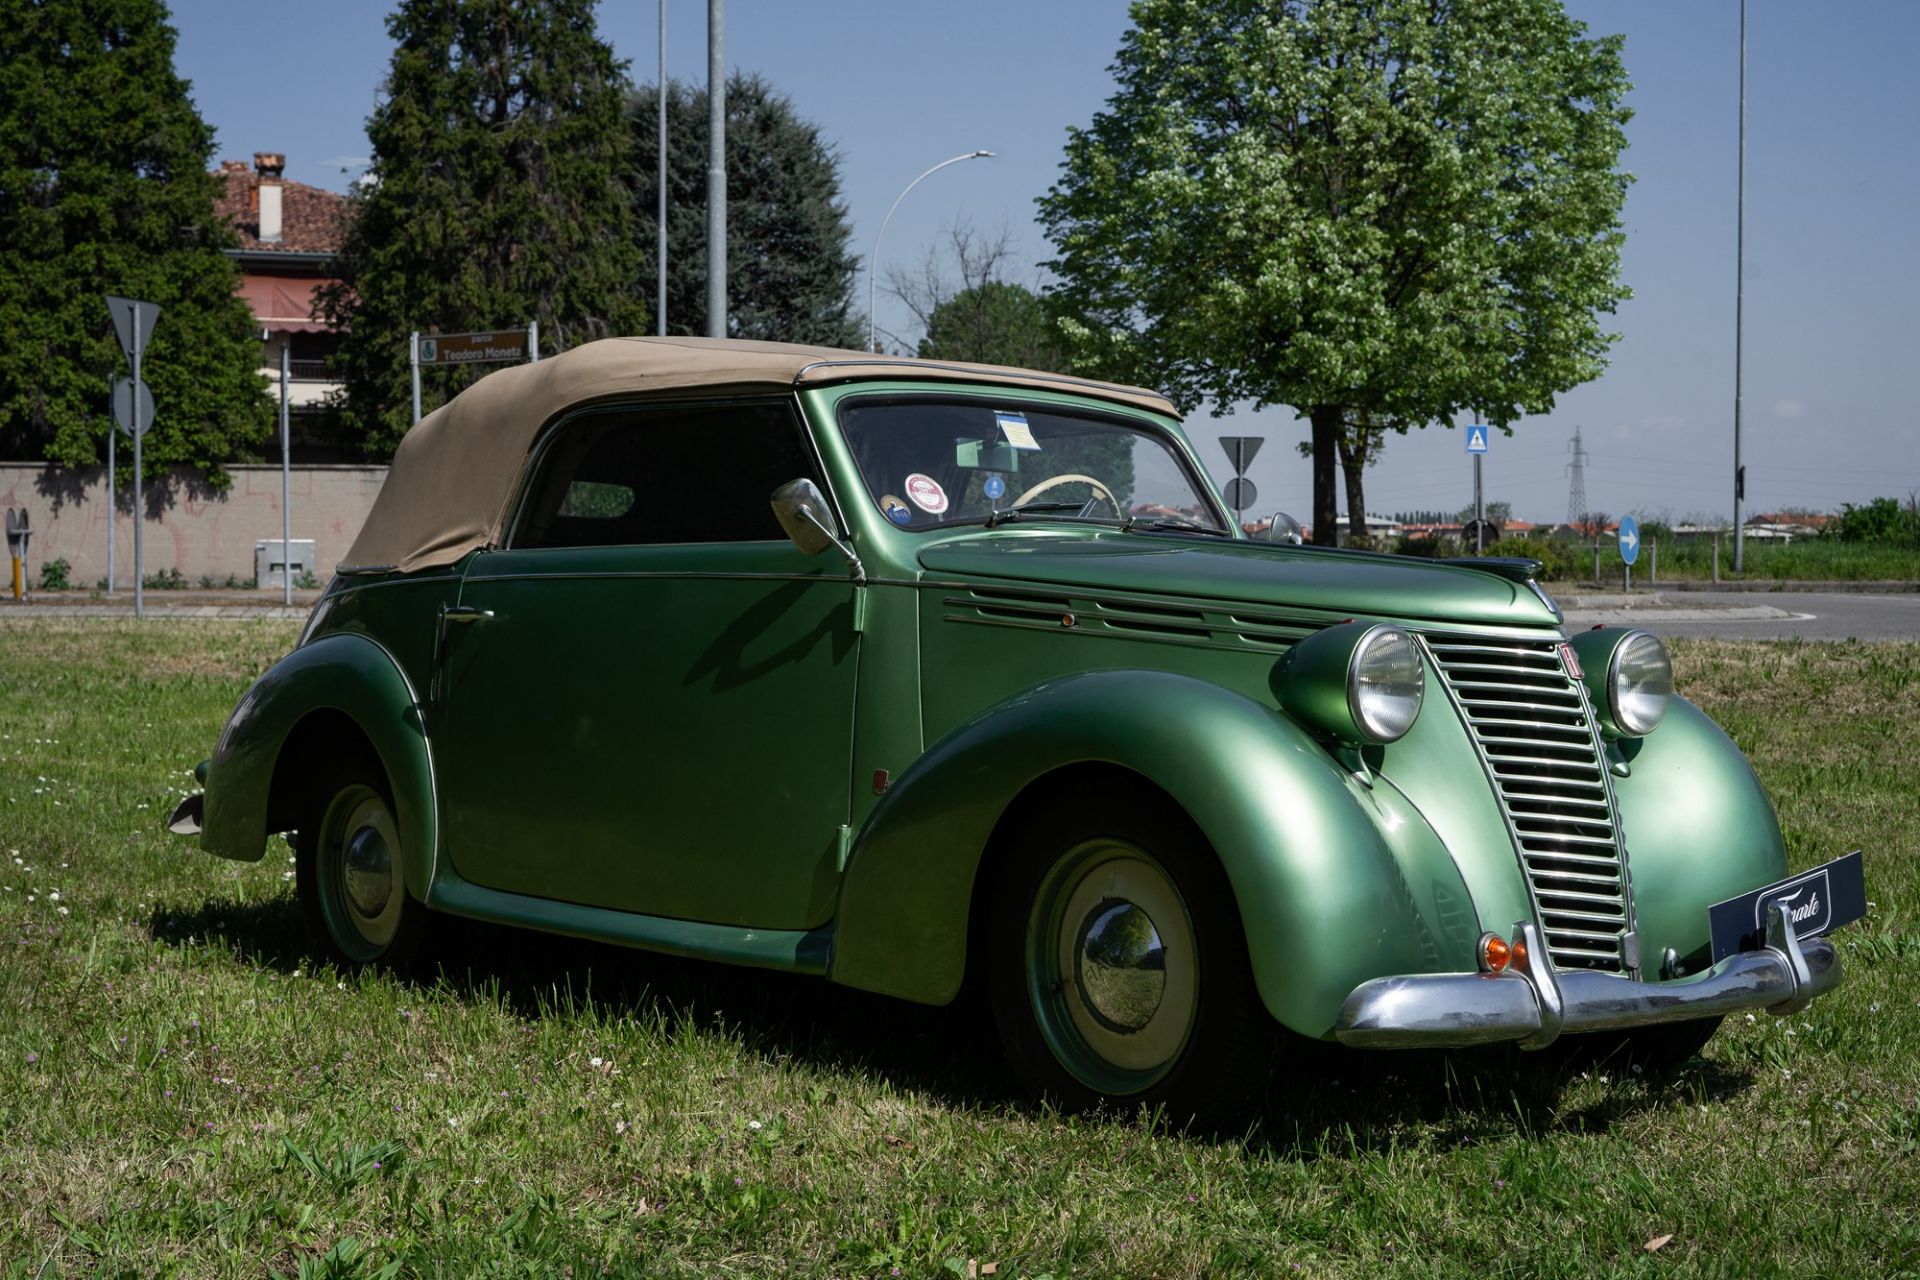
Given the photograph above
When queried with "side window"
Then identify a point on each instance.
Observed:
(699, 473)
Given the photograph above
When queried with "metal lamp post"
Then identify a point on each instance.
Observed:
(873, 263)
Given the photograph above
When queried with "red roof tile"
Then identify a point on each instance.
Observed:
(313, 219)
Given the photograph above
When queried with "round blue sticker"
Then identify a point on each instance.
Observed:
(896, 510)
(995, 487)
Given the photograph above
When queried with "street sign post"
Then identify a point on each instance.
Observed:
(1478, 434)
(1240, 491)
(133, 322)
(496, 346)
(1629, 548)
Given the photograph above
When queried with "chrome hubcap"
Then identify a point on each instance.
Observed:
(1113, 969)
(369, 871)
(356, 854)
(1123, 965)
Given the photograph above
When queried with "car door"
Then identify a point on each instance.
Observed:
(646, 696)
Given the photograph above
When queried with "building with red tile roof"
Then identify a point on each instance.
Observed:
(289, 234)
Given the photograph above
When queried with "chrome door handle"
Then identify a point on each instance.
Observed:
(465, 613)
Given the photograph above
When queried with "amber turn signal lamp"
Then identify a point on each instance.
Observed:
(1494, 953)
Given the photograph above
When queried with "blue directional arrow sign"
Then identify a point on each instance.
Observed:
(1629, 539)
(1477, 438)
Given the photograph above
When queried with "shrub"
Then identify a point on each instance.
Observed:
(1884, 520)
(165, 580)
(54, 575)
(1564, 561)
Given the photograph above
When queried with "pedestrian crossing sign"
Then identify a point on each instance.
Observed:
(1476, 438)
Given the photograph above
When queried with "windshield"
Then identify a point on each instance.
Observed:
(930, 462)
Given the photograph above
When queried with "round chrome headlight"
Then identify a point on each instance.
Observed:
(1385, 684)
(1639, 684)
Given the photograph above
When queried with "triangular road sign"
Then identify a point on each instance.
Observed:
(123, 310)
(1240, 451)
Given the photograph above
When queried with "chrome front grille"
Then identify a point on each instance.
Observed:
(1530, 722)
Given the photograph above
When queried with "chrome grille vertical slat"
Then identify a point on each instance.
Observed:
(1530, 724)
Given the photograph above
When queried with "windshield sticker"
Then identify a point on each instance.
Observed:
(895, 510)
(995, 488)
(1014, 427)
(926, 493)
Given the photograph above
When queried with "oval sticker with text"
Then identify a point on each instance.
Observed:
(925, 493)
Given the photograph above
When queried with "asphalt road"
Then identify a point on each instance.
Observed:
(1746, 615)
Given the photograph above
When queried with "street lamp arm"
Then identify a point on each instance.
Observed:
(873, 263)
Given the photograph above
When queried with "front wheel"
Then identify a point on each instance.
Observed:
(1118, 969)
(352, 884)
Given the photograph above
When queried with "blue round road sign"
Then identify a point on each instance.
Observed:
(1629, 539)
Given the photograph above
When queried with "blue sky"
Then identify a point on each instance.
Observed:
(1833, 203)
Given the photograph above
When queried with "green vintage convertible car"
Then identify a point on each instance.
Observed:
(926, 677)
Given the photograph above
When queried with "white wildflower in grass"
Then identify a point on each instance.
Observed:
(53, 896)
(63, 911)
(754, 1125)
(596, 1063)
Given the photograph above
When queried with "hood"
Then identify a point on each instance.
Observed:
(1355, 582)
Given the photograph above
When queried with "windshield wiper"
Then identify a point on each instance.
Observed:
(1173, 526)
(1002, 515)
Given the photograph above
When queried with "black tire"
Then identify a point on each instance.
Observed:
(1656, 1050)
(348, 832)
(1203, 1051)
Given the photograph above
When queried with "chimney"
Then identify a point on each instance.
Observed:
(270, 164)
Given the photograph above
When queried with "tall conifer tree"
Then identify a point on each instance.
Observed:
(104, 188)
(497, 195)
(790, 271)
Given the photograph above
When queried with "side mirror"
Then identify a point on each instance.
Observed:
(1285, 529)
(805, 518)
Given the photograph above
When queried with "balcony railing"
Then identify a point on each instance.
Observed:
(311, 371)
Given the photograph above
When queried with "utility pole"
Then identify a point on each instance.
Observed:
(1740, 306)
(660, 223)
(716, 168)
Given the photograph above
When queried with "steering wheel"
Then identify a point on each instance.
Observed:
(1102, 493)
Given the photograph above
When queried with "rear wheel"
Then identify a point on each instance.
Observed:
(352, 884)
(1118, 969)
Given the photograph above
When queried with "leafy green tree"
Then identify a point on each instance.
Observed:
(496, 196)
(1883, 520)
(1402, 209)
(995, 322)
(104, 189)
(790, 271)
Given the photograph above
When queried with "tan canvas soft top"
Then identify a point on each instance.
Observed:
(454, 474)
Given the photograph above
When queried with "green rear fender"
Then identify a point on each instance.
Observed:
(1335, 884)
(346, 676)
(1699, 828)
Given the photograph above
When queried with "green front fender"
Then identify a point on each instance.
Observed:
(1336, 883)
(1698, 827)
(345, 674)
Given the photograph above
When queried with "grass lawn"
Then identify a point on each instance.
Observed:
(181, 1093)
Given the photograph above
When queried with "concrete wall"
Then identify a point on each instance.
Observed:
(190, 527)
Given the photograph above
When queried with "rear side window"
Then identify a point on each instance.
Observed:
(695, 473)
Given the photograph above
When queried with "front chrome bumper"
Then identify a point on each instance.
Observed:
(1535, 1004)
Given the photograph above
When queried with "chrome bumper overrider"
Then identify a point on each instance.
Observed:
(1535, 1004)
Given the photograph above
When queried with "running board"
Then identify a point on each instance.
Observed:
(791, 950)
